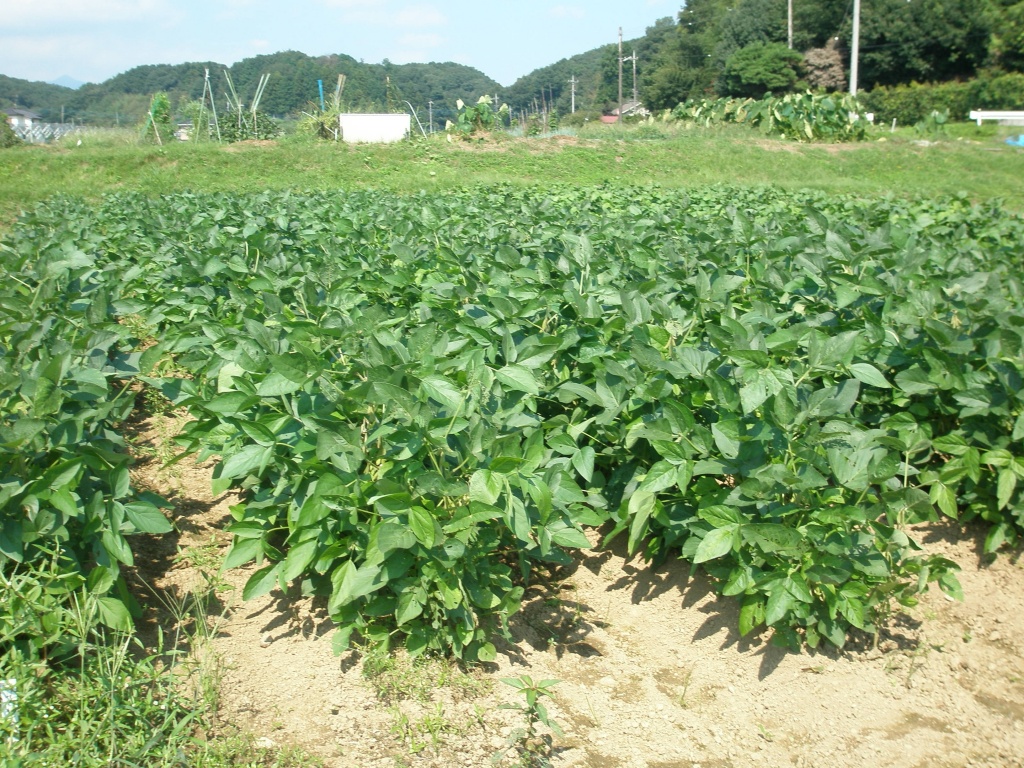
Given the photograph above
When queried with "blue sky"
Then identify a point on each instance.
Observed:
(92, 40)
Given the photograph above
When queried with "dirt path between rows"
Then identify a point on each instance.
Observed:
(652, 672)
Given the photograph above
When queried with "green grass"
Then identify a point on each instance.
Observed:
(93, 697)
(972, 160)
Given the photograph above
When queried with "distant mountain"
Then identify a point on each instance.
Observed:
(68, 82)
(124, 98)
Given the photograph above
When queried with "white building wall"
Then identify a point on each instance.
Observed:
(366, 129)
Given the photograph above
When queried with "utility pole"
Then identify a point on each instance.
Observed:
(622, 60)
(572, 82)
(789, 19)
(633, 59)
(620, 75)
(855, 48)
(430, 115)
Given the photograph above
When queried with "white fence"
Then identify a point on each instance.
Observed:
(41, 133)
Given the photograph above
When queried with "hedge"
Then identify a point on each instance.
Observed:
(910, 103)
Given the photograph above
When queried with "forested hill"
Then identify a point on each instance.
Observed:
(551, 85)
(125, 97)
(710, 48)
(595, 73)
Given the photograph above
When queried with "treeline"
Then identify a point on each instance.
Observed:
(292, 88)
(712, 48)
(740, 47)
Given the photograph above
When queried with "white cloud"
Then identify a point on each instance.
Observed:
(50, 13)
(567, 12)
(420, 16)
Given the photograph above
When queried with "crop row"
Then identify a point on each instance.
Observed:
(420, 398)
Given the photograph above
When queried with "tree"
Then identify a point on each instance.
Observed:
(1008, 37)
(924, 40)
(823, 68)
(747, 23)
(8, 138)
(761, 67)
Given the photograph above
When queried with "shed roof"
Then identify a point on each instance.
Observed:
(21, 113)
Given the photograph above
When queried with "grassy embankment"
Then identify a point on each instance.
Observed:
(974, 161)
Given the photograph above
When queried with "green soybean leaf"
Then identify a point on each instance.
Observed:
(230, 403)
(659, 477)
(641, 506)
(944, 498)
(486, 653)
(772, 537)
(392, 535)
(261, 582)
(869, 374)
(566, 536)
(114, 614)
(715, 544)
(409, 607)
(727, 437)
(1005, 487)
(477, 512)
(780, 602)
(443, 391)
(10, 539)
(147, 518)
(752, 613)
(351, 583)
(583, 462)
(342, 639)
(423, 526)
(298, 559)
(275, 385)
(242, 551)
(245, 461)
(518, 378)
(485, 486)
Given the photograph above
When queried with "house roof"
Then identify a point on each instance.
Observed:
(22, 113)
(629, 107)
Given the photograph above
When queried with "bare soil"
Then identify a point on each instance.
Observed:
(652, 672)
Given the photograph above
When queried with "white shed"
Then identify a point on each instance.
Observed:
(374, 129)
(21, 118)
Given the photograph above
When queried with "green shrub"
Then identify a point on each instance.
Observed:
(909, 104)
(236, 126)
(8, 138)
(933, 126)
(761, 68)
(478, 117)
(158, 124)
